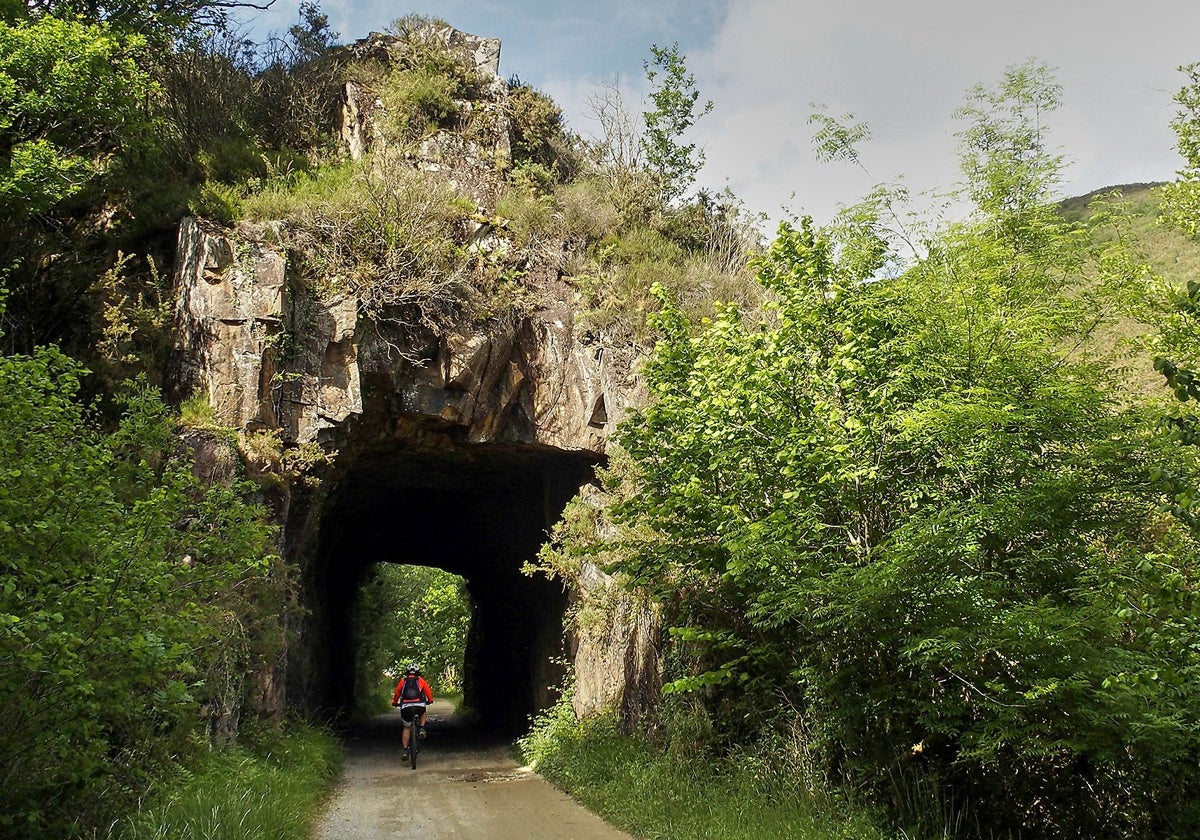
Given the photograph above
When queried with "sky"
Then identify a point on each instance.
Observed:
(900, 67)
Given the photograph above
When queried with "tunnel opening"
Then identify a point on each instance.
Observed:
(408, 615)
(480, 512)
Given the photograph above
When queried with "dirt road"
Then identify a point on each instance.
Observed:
(463, 788)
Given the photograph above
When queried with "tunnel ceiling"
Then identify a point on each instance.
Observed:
(466, 510)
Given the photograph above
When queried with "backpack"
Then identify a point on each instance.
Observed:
(412, 689)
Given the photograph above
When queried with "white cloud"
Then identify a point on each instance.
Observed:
(904, 68)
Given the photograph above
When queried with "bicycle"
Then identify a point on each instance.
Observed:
(414, 731)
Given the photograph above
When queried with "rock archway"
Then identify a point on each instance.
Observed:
(481, 513)
(457, 446)
(457, 449)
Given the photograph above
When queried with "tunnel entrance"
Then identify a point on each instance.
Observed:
(479, 512)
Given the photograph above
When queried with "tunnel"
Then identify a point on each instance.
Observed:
(480, 512)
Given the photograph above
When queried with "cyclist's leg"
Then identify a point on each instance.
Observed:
(405, 714)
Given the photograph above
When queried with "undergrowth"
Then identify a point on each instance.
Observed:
(662, 794)
(271, 786)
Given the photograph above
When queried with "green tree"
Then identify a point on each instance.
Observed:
(130, 597)
(158, 20)
(70, 95)
(409, 614)
(913, 508)
(676, 108)
(1181, 199)
(1176, 311)
(72, 102)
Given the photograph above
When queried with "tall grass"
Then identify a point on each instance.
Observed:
(269, 789)
(664, 795)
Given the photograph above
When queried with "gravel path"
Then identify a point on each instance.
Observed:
(461, 789)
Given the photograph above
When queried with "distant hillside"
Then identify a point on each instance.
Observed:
(1168, 251)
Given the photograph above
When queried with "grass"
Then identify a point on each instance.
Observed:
(272, 787)
(283, 197)
(661, 795)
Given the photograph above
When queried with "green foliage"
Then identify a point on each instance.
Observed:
(426, 81)
(640, 789)
(418, 101)
(217, 202)
(71, 93)
(1177, 304)
(527, 211)
(1009, 171)
(158, 20)
(910, 506)
(128, 593)
(1181, 200)
(137, 332)
(311, 38)
(538, 132)
(272, 785)
(392, 235)
(409, 614)
(676, 109)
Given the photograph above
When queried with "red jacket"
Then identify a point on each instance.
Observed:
(425, 690)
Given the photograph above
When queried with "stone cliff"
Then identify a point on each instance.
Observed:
(457, 445)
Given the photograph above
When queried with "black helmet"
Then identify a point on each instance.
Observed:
(412, 668)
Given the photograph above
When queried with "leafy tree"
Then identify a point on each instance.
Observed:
(72, 102)
(158, 20)
(1181, 200)
(70, 95)
(312, 37)
(130, 596)
(676, 109)
(915, 510)
(1176, 310)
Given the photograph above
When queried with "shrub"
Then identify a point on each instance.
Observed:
(538, 132)
(418, 101)
(529, 216)
(391, 235)
(218, 202)
(588, 211)
(126, 586)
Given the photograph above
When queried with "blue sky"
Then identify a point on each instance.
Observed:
(902, 67)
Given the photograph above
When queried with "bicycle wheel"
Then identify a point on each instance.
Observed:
(413, 742)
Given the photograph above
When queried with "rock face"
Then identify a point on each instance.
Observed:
(475, 398)
(269, 358)
(470, 159)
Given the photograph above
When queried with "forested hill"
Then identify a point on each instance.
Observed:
(1168, 249)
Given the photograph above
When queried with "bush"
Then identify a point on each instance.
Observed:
(538, 133)
(589, 215)
(418, 101)
(132, 596)
(218, 202)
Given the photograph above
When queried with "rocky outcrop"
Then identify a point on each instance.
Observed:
(418, 415)
(472, 154)
(268, 356)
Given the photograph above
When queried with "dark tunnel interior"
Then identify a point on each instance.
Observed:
(479, 512)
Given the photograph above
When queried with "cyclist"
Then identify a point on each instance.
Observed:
(412, 695)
